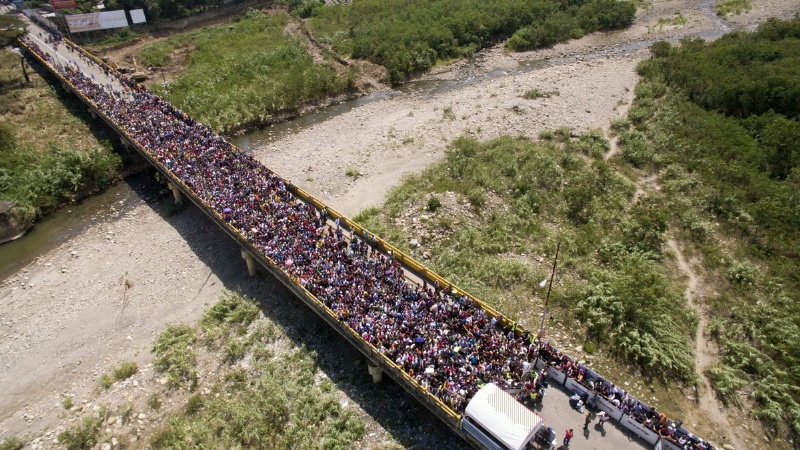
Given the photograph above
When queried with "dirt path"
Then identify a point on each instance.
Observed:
(705, 353)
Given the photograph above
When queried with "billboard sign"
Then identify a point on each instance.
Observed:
(64, 4)
(137, 16)
(96, 21)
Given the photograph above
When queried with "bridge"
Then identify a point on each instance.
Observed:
(433, 338)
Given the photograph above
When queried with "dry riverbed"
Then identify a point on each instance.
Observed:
(79, 310)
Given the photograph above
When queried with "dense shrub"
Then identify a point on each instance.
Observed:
(410, 36)
(727, 133)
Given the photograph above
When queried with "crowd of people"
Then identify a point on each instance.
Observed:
(439, 337)
(620, 399)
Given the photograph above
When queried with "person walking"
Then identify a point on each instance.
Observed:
(589, 417)
(603, 418)
(567, 436)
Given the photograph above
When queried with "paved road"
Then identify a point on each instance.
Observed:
(62, 55)
(558, 414)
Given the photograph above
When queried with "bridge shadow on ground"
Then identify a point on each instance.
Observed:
(388, 404)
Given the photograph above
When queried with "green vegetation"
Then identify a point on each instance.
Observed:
(352, 173)
(675, 21)
(727, 7)
(272, 402)
(239, 74)
(157, 10)
(10, 28)
(67, 402)
(156, 54)
(83, 435)
(411, 36)
(126, 370)
(434, 203)
(533, 94)
(154, 401)
(106, 381)
(12, 443)
(48, 155)
(719, 124)
(175, 357)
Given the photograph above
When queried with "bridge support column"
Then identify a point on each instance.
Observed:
(252, 265)
(376, 372)
(176, 192)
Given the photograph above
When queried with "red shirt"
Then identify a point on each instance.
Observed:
(569, 434)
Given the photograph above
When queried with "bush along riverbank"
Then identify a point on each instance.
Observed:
(410, 37)
(50, 154)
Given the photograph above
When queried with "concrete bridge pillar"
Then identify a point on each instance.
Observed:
(176, 192)
(376, 372)
(252, 264)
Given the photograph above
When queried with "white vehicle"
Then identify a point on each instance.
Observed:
(496, 420)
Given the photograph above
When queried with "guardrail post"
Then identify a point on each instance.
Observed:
(376, 372)
(176, 192)
(252, 266)
(94, 114)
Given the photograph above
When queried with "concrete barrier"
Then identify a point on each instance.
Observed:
(640, 430)
(606, 405)
(557, 375)
(573, 385)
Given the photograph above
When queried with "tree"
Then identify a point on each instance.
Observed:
(10, 29)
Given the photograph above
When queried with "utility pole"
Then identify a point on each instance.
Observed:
(540, 335)
(549, 288)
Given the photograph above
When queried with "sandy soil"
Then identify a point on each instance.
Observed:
(66, 318)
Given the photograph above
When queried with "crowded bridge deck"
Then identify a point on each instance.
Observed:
(440, 343)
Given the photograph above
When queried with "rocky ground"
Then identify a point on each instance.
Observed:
(79, 310)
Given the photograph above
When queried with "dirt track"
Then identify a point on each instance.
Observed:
(65, 319)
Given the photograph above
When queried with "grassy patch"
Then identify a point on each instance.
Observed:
(154, 401)
(676, 21)
(44, 136)
(175, 357)
(12, 443)
(125, 370)
(275, 402)
(728, 7)
(106, 381)
(533, 94)
(84, 434)
(241, 73)
(67, 403)
(156, 54)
